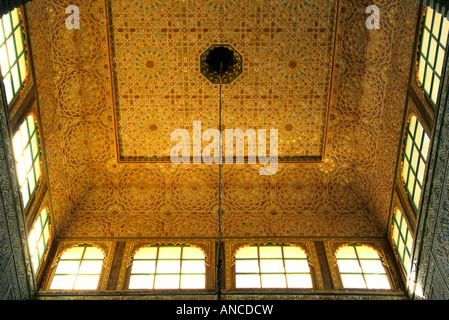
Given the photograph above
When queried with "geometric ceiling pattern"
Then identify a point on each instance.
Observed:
(110, 92)
(155, 49)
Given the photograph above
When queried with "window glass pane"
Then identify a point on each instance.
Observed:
(270, 252)
(146, 253)
(143, 266)
(271, 265)
(15, 17)
(417, 196)
(93, 253)
(15, 78)
(141, 282)
(444, 32)
(294, 252)
(193, 281)
(7, 24)
(366, 252)
(346, 252)
(19, 41)
(246, 266)
(372, 266)
(273, 281)
(349, 266)
(377, 282)
(425, 43)
(192, 253)
(353, 281)
(297, 266)
(168, 266)
(4, 60)
(436, 23)
(23, 68)
(169, 252)
(8, 88)
(1, 33)
(73, 253)
(166, 282)
(193, 267)
(25, 194)
(90, 267)
(67, 267)
(62, 282)
(299, 281)
(435, 88)
(247, 252)
(10, 46)
(247, 281)
(86, 282)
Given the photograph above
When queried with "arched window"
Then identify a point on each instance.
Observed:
(168, 267)
(38, 239)
(79, 268)
(432, 52)
(12, 54)
(272, 266)
(361, 267)
(402, 240)
(27, 156)
(416, 147)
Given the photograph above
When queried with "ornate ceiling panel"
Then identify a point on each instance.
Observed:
(287, 51)
(112, 92)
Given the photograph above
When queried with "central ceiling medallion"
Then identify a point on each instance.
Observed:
(221, 63)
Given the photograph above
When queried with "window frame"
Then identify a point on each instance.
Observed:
(47, 243)
(408, 234)
(362, 273)
(311, 272)
(424, 57)
(20, 29)
(157, 259)
(35, 159)
(407, 160)
(56, 263)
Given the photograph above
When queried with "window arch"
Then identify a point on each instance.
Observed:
(402, 240)
(12, 54)
(38, 239)
(168, 267)
(272, 266)
(361, 267)
(415, 150)
(78, 268)
(432, 52)
(27, 156)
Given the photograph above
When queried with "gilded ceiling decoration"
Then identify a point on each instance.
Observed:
(111, 93)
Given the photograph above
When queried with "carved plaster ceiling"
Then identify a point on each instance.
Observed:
(111, 93)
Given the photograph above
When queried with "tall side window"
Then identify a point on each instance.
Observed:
(12, 54)
(168, 267)
(38, 239)
(79, 268)
(272, 266)
(402, 240)
(360, 267)
(27, 156)
(416, 147)
(432, 52)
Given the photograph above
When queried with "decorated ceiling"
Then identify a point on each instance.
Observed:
(111, 93)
